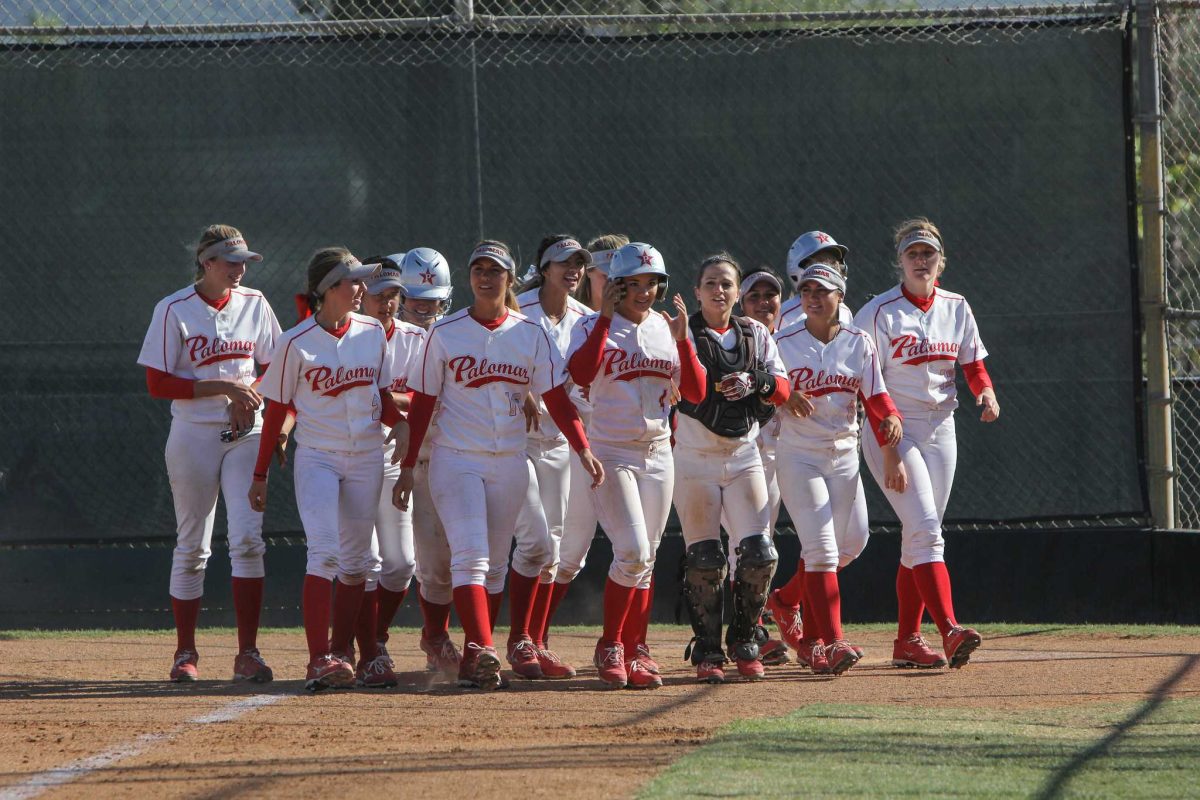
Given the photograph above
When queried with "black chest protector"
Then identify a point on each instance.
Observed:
(725, 417)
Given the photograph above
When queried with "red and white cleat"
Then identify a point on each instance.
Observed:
(609, 659)
(441, 656)
(914, 651)
(552, 666)
(328, 672)
(787, 619)
(480, 669)
(841, 656)
(642, 653)
(376, 673)
(249, 666)
(639, 677)
(710, 672)
(523, 657)
(959, 643)
(811, 653)
(184, 669)
(773, 653)
(750, 668)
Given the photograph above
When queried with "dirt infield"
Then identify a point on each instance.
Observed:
(95, 715)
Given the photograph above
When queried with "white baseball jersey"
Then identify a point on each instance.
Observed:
(631, 394)
(560, 336)
(831, 375)
(790, 313)
(403, 349)
(691, 432)
(918, 350)
(333, 382)
(482, 377)
(190, 339)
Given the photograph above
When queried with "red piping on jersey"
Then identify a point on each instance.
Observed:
(167, 313)
(273, 420)
(165, 386)
(419, 415)
(693, 378)
(878, 408)
(491, 324)
(563, 412)
(923, 303)
(977, 377)
(584, 365)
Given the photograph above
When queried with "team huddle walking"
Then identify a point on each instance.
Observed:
(477, 450)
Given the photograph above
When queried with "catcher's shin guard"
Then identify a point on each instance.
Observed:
(756, 558)
(703, 589)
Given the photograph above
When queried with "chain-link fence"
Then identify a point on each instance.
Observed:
(698, 126)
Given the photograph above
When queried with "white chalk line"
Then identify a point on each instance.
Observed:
(51, 778)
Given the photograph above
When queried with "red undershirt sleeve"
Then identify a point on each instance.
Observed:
(273, 419)
(165, 386)
(563, 412)
(878, 408)
(390, 413)
(977, 376)
(419, 415)
(692, 376)
(585, 363)
(783, 390)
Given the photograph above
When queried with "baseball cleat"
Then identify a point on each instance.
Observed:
(642, 652)
(959, 643)
(914, 651)
(609, 659)
(640, 677)
(328, 672)
(787, 619)
(773, 653)
(841, 656)
(381, 651)
(249, 666)
(480, 669)
(441, 656)
(184, 669)
(710, 672)
(552, 666)
(750, 668)
(523, 658)
(811, 653)
(375, 674)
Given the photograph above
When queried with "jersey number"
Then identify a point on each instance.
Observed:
(515, 400)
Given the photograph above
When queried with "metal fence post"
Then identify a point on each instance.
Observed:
(464, 11)
(1159, 450)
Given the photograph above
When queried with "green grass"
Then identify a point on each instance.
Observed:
(884, 751)
(1024, 629)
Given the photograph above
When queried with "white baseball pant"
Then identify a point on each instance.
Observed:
(728, 485)
(429, 541)
(824, 497)
(633, 504)
(337, 493)
(478, 497)
(200, 466)
(929, 452)
(392, 551)
(540, 523)
(579, 524)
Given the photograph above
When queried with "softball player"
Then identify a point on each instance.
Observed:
(561, 262)
(921, 331)
(718, 469)
(199, 352)
(814, 247)
(482, 362)
(631, 359)
(829, 365)
(333, 371)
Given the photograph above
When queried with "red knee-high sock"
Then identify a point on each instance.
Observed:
(933, 579)
(389, 604)
(638, 621)
(908, 600)
(472, 603)
(557, 592)
(436, 616)
(247, 606)
(824, 603)
(186, 613)
(493, 606)
(365, 623)
(792, 592)
(346, 604)
(521, 592)
(618, 600)
(315, 604)
(539, 613)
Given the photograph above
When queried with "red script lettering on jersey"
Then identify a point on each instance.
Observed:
(203, 353)
(803, 380)
(920, 351)
(472, 374)
(331, 383)
(625, 367)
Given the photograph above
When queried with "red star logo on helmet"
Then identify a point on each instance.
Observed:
(426, 276)
(647, 258)
(823, 237)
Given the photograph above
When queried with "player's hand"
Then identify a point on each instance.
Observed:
(798, 404)
(241, 420)
(530, 409)
(895, 477)
(736, 386)
(614, 292)
(399, 435)
(281, 450)
(258, 495)
(892, 430)
(402, 493)
(991, 409)
(592, 466)
(242, 396)
(678, 323)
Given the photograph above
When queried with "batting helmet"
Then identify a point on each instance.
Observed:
(806, 247)
(639, 258)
